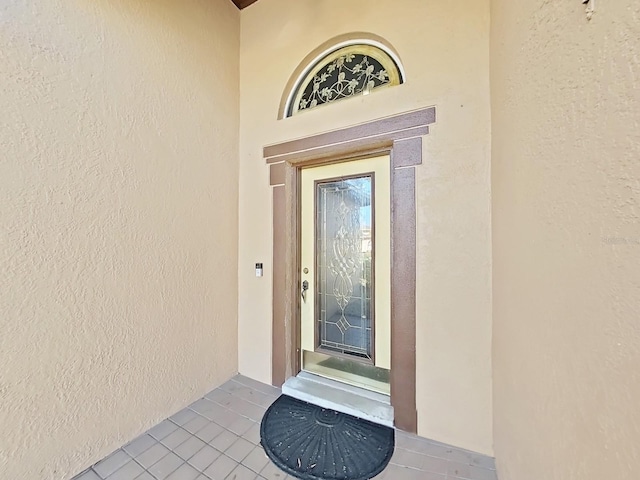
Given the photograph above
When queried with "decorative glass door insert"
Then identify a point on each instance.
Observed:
(344, 267)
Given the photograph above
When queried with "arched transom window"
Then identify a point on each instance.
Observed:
(346, 72)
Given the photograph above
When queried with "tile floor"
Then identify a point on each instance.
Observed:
(218, 438)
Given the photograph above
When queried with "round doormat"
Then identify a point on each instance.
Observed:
(313, 443)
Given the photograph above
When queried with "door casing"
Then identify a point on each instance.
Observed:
(399, 136)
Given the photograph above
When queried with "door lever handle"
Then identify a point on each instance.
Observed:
(305, 287)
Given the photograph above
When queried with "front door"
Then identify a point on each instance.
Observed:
(345, 272)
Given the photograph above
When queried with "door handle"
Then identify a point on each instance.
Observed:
(305, 287)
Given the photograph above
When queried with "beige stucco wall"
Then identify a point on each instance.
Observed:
(566, 230)
(118, 221)
(445, 49)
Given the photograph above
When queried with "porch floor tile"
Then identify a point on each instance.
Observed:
(217, 438)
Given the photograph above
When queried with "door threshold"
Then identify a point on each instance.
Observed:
(338, 396)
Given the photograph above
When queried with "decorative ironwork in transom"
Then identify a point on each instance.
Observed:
(344, 73)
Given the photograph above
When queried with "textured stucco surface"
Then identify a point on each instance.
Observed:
(118, 221)
(445, 50)
(566, 239)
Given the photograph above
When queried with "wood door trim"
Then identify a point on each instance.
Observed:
(278, 333)
(341, 145)
(386, 128)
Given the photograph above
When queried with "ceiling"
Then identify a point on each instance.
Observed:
(243, 3)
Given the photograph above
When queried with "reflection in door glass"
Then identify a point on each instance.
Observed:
(344, 250)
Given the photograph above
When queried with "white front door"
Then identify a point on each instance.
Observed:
(346, 272)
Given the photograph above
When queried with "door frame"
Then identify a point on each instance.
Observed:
(400, 137)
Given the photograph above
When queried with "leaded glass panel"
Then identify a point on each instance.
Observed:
(344, 266)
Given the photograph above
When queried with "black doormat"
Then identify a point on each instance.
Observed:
(313, 443)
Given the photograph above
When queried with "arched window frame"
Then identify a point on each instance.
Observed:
(372, 45)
